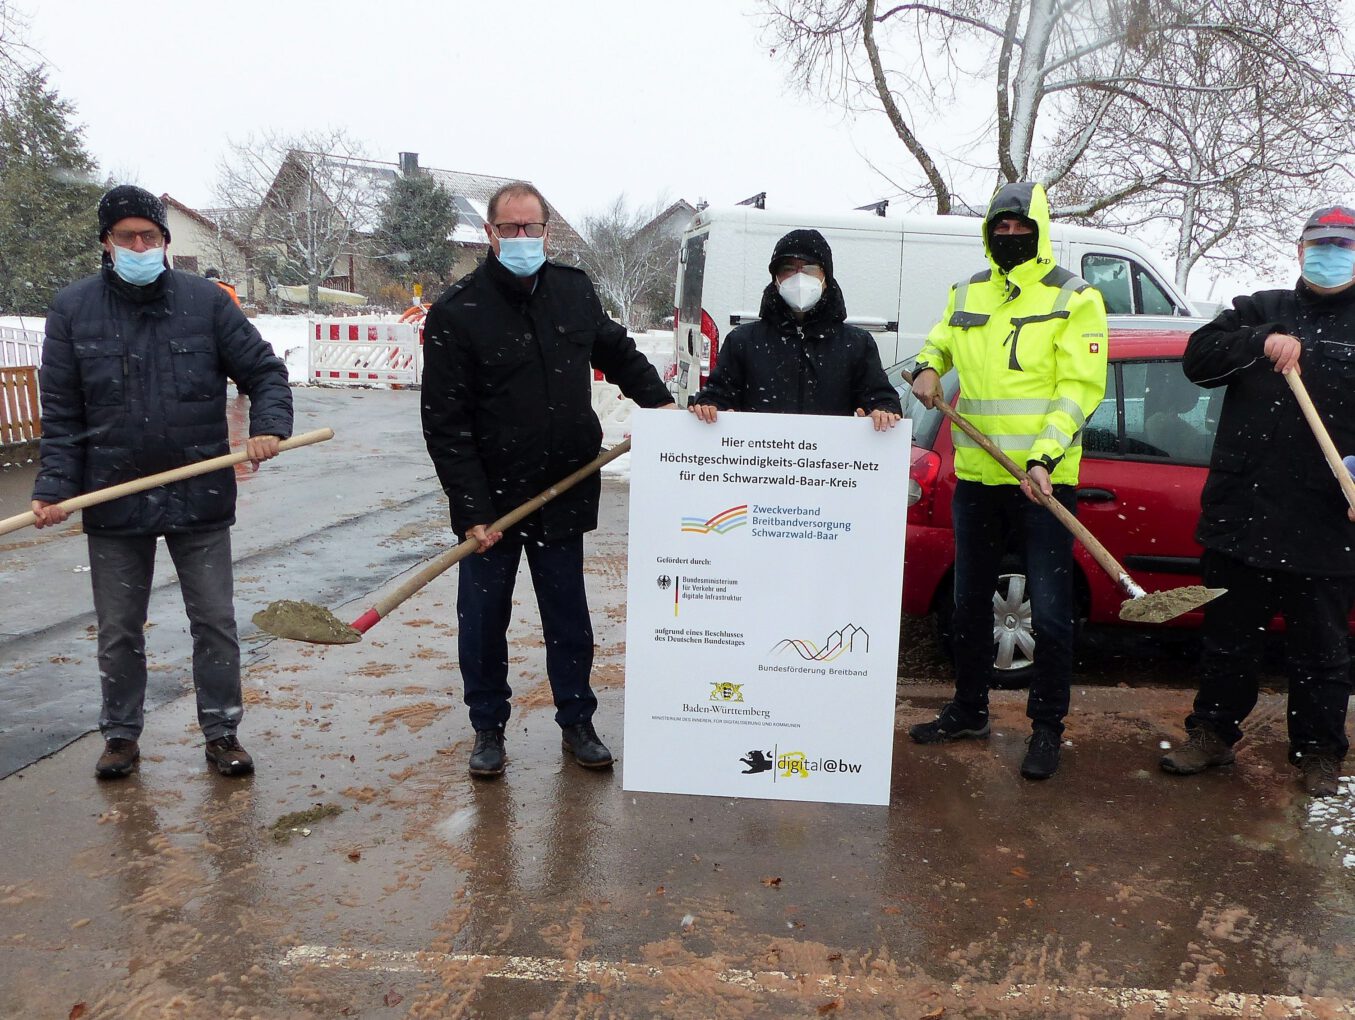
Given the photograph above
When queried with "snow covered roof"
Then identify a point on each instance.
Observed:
(470, 193)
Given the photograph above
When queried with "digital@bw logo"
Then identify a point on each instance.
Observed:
(795, 764)
(726, 692)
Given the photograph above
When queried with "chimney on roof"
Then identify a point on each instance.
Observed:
(409, 164)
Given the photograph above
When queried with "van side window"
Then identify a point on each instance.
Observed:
(1110, 275)
(1126, 287)
(1151, 299)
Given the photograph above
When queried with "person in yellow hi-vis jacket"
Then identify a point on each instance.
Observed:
(1028, 340)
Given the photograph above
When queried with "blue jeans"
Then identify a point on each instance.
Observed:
(484, 607)
(987, 520)
(121, 570)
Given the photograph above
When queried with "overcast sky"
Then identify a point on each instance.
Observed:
(587, 100)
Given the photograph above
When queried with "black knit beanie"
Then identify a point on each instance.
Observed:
(129, 200)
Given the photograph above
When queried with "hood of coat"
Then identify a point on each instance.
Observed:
(1026, 199)
(830, 309)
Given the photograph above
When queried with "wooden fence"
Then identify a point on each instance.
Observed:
(20, 419)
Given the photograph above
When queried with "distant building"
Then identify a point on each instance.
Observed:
(199, 242)
(359, 270)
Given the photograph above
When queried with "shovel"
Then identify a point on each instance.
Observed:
(1141, 606)
(303, 621)
(1323, 439)
(177, 474)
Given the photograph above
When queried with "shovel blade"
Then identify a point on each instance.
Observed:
(303, 621)
(1161, 606)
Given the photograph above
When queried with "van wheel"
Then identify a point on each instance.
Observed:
(1013, 633)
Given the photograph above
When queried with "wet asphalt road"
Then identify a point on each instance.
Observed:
(326, 523)
(1111, 890)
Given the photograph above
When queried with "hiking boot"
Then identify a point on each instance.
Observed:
(487, 757)
(1042, 754)
(1321, 775)
(1203, 749)
(119, 758)
(581, 740)
(227, 756)
(947, 726)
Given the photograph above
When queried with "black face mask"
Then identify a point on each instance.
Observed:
(1010, 250)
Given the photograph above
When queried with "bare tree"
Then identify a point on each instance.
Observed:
(1239, 158)
(16, 56)
(628, 255)
(303, 202)
(1057, 70)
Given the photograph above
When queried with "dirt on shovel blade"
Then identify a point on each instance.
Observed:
(1161, 606)
(302, 621)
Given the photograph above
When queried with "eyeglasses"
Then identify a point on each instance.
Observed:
(1339, 242)
(126, 238)
(525, 229)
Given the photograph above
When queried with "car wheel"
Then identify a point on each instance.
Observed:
(1013, 631)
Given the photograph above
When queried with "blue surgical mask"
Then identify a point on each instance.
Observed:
(138, 267)
(522, 256)
(1327, 265)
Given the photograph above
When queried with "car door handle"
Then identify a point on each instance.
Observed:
(1095, 496)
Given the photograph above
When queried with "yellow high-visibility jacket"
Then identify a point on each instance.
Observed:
(1030, 350)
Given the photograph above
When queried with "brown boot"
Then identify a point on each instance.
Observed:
(1321, 775)
(119, 758)
(227, 756)
(1202, 750)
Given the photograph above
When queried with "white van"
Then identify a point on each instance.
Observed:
(895, 275)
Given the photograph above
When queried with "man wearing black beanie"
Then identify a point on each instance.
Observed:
(133, 382)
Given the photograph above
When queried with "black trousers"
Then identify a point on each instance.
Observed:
(484, 609)
(1316, 612)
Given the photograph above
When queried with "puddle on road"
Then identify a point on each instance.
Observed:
(451, 829)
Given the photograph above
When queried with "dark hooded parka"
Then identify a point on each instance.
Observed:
(814, 365)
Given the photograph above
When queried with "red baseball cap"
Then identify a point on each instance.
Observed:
(1330, 221)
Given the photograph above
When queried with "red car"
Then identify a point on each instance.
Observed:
(1145, 457)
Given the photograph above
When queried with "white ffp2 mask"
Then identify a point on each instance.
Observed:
(801, 291)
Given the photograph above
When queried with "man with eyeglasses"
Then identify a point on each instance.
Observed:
(1274, 525)
(800, 356)
(133, 382)
(509, 354)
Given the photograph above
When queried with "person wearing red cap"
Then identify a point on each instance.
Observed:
(1274, 525)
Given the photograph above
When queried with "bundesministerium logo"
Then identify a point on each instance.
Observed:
(846, 639)
(722, 523)
(665, 582)
(726, 692)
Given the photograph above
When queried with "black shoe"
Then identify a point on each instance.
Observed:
(488, 756)
(1321, 775)
(947, 726)
(581, 740)
(227, 756)
(119, 758)
(1042, 754)
(1203, 749)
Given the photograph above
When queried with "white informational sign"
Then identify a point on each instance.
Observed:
(762, 621)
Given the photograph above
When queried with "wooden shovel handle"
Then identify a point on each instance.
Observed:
(177, 474)
(1099, 552)
(440, 563)
(1323, 438)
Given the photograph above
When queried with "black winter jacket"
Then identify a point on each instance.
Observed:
(1270, 499)
(133, 382)
(781, 365)
(507, 394)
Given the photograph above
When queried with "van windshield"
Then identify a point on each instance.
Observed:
(693, 276)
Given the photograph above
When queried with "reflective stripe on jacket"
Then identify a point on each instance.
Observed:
(1030, 350)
